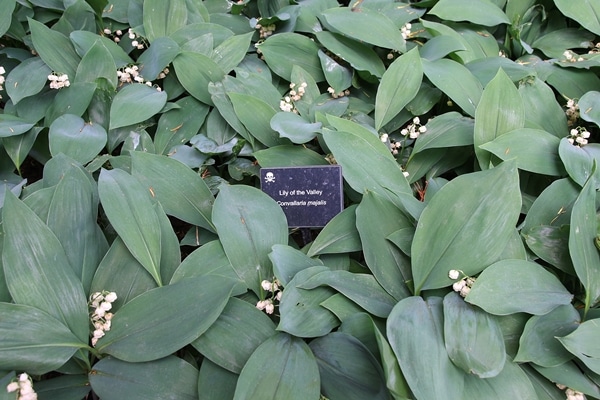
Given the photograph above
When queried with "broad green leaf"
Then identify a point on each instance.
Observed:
(510, 383)
(54, 48)
(27, 79)
(282, 367)
(179, 312)
(195, 71)
(18, 147)
(64, 387)
(135, 103)
(518, 286)
(43, 343)
(582, 233)
(440, 46)
(465, 232)
(348, 369)
(170, 254)
(181, 191)
(446, 130)
(473, 338)
(288, 156)
(571, 83)
(542, 158)
(499, 111)
(363, 289)
(232, 51)
(235, 335)
(376, 219)
(481, 12)
(579, 161)
(360, 56)
(399, 85)
(84, 41)
(589, 104)
(11, 125)
(208, 259)
(72, 100)
(162, 18)
(72, 218)
(256, 116)
(583, 343)
(284, 50)
(415, 331)
(215, 383)
(367, 164)
(586, 12)
(157, 57)
(551, 244)
(337, 76)
(294, 127)
(37, 270)
(539, 344)
(167, 378)
(456, 81)
(8, 6)
(338, 236)
(238, 214)
(300, 309)
(128, 207)
(287, 262)
(553, 205)
(97, 63)
(569, 374)
(178, 125)
(554, 43)
(72, 136)
(365, 25)
(542, 108)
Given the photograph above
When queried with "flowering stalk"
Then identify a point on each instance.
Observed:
(101, 302)
(274, 294)
(24, 388)
(463, 286)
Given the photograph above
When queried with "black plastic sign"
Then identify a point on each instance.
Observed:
(309, 196)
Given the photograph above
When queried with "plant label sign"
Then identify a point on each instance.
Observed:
(309, 196)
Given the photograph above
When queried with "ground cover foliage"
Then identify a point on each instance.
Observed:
(145, 263)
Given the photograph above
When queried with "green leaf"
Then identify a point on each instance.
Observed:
(586, 12)
(256, 116)
(162, 18)
(84, 41)
(481, 12)
(283, 367)
(473, 338)
(163, 320)
(235, 335)
(446, 130)
(181, 191)
(97, 63)
(365, 25)
(170, 377)
(215, 383)
(337, 76)
(510, 383)
(579, 161)
(415, 331)
(376, 219)
(399, 85)
(287, 262)
(157, 57)
(512, 286)
(294, 127)
(208, 259)
(551, 244)
(179, 125)
(11, 125)
(37, 271)
(127, 205)
(27, 79)
(135, 103)
(72, 100)
(569, 374)
(553, 205)
(64, 387)
(539, 344)
(500, 110)
(589, 105)
(542, 158)
(348, 369)
(338, 236)
(8, 6)
(363, 289)
(239, 214)
(288, 156)
(440, 46)
(456, 81)
(300, 309)
(18, 147)
(284, 50)
(72, 136)
(465, 232)
(232, 51)
(583, 343)
(54, 48)
(582, 233)
(360, 56)
(195, 71)
(542, 108)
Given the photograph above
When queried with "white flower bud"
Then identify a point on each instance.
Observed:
(107, 31)
(269, 308)
(98, 333)
(111, 297)
(384, 137)
(105, 306)
(23, 377)
(453, 274)
(12, 387)
(458, 286)
(416, 121)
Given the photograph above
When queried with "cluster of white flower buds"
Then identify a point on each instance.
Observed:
(463, 286)
(335, 95)
(405, 30)
(578, 136)
(265, 31)
(571, 393)
(572, 112)
(287, 104)
(101, 318)
(132, 74)
(24, 387)
(392, 144)
(2, 72)
(595, 48)
(274, 292)
(415, 129)
(572, 57)
(58, 81)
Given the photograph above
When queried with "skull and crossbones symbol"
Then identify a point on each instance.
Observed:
(269, 177)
